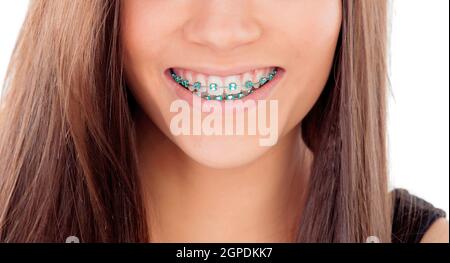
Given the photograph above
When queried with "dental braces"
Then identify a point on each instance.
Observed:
(249, 86)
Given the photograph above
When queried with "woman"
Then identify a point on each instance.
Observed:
(88, 147)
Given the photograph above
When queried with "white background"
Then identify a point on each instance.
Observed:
(418, 103)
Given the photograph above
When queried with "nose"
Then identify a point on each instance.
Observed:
(222, 25)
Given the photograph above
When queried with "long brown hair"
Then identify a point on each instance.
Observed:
(348, 197)
(67, 141)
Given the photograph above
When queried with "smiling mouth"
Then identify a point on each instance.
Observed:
(233, 87)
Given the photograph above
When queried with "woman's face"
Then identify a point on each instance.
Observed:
(225, 48)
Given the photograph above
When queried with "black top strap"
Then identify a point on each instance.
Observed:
(412, 217)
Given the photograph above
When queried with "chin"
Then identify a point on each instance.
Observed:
(222, 152)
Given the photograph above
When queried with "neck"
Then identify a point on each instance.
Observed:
(189, 202)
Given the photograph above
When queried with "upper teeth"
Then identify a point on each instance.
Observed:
(221, 88)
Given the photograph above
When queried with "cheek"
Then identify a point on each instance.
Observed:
(312, 40)
(146, 29)
(142, 33)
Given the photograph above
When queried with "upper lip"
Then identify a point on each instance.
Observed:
(222, 71)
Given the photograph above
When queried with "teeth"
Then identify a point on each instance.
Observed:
(232, 85)
(223, 88)
(189, 77)
(247, 77)
(201, 79)
(215, 86)
(259, 76)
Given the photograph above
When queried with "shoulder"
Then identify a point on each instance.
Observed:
(437, 233)
(416, 220)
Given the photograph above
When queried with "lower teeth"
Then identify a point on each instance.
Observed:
(249, 87)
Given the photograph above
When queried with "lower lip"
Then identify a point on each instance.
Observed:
(258, 94)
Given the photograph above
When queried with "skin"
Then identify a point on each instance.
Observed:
(233, 34)
(251, 193)
(437, 233)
